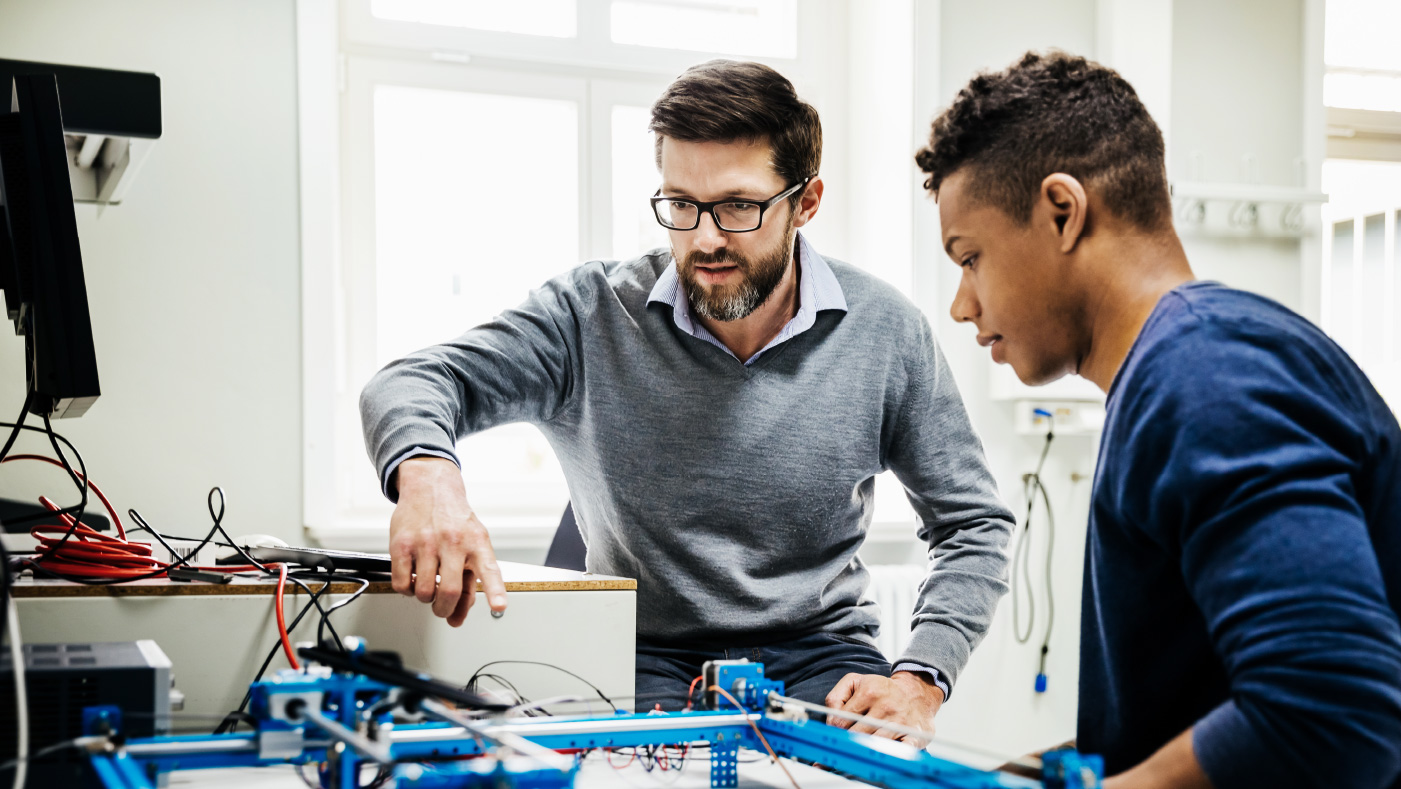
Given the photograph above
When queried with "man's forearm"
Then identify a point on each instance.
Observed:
(1174, 766)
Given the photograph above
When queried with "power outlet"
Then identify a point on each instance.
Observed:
(1068, 417)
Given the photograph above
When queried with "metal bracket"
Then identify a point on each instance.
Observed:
(724, 765)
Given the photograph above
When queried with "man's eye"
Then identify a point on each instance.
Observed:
(968, 261)
(742, 207)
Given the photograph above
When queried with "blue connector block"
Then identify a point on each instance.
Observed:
(1040, 683)
(747, 683)
(103, 720)
(1067, 768)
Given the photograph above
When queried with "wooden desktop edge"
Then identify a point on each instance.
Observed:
(160, 587)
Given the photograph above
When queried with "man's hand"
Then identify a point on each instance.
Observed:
(905, 698)
(436, 544)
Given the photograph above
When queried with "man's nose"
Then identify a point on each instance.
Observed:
(965, 305)
(708, 235)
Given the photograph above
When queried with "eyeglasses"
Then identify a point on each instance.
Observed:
(731, 216)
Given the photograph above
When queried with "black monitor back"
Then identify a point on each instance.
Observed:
(41, 265)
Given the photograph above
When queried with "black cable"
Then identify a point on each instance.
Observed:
(218, 517)
(227, 723)
(326, 615)
(475, 686)
(1022, 550)
(179, 560)
(17, 426)
(77, 510)
(53, 435)
(1050, 592)
(42, 752)
(547, 665)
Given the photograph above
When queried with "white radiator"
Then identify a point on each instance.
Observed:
(894, 588)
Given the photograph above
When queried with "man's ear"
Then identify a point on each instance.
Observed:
(1066, 208)
(808, 204)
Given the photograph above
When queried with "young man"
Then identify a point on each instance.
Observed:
(720, 410)
(1243, 564)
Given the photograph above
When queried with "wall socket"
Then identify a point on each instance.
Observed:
(1068, 417)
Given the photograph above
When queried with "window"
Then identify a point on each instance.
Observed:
(1362, 177)
(454, 115)
(744, 27)
(1362, 294)
(1362, 56)
(532, 17)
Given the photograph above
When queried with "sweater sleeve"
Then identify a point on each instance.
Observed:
(939, 459)
(1249, 462)
(521, 366)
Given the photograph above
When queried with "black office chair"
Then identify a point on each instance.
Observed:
(567, 549)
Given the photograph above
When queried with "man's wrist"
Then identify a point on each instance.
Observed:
(925, 681)
(926, 675)
(392, 477)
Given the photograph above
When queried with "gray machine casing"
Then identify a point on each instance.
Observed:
(62, 679)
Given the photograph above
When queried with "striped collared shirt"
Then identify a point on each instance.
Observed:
(818, 290)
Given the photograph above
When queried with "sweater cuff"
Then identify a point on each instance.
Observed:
(938, 646)
(389, 485)
(1232, 754)
(932, 673)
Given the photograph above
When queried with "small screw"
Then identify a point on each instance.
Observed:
(497, 614)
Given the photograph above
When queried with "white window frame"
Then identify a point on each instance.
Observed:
(344, 51)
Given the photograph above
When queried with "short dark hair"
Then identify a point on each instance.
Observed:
(728, 101)
(1052, 113)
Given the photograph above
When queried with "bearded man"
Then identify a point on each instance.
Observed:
(721, 409)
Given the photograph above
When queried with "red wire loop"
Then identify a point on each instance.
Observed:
(74, 549)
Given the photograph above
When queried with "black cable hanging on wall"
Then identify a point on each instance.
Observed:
(1031, 488)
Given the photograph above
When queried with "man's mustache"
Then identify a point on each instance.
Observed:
(697, 258)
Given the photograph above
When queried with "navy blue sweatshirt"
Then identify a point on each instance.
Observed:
(1243, 563)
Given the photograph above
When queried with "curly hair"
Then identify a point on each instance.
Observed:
(1052, 113)
(728, 101)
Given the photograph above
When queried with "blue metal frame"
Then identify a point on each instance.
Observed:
(348, 698)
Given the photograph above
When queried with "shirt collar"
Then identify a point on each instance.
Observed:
(818, 290)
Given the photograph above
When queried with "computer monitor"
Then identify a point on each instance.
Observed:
(41, 264)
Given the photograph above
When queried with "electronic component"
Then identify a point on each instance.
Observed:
(186, 574)
(64, 679)
(41, 266)
(319, 558)
(337, 714)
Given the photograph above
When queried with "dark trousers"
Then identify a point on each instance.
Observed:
(809, 666)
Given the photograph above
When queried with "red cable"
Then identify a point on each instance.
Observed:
(77, 550)
(691, 690)
(281, 621)
(89, 553)
(116, 520)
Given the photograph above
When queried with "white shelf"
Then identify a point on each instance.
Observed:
(1245, 193)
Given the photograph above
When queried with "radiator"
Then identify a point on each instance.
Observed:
(894, 588)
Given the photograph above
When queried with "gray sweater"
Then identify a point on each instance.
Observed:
(736, 495)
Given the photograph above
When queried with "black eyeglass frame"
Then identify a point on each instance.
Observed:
(709, 208)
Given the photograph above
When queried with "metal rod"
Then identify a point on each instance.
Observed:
(1029, 762)
(215, 743)
(364, 745)
(504, 739)
(640, 723)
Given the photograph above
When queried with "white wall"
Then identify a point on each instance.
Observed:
(1238, 117)
(193, 280)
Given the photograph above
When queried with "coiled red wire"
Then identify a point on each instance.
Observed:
(74, 549)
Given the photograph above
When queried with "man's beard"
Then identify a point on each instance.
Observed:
(759, 279)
